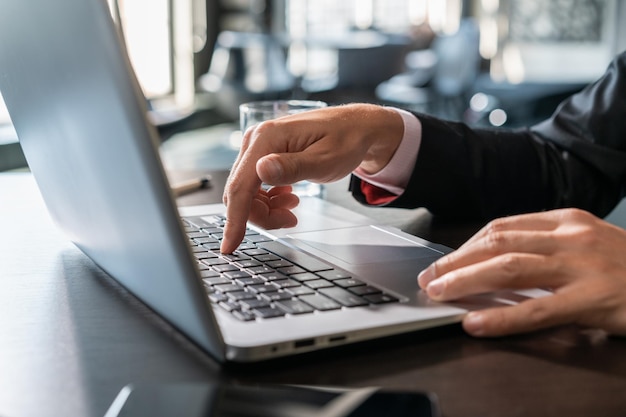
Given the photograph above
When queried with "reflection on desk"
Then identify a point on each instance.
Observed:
(72, 338)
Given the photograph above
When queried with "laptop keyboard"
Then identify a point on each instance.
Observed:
(266, 279)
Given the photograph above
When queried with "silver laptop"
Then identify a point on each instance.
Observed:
(81, 118)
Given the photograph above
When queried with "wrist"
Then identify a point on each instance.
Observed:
(386, 130)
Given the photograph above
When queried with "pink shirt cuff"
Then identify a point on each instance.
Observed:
(395, 176)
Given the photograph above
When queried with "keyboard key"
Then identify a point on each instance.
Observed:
(203, 240)
(229, 306)
(260, 289)
(380, 298)
(276, 296)
(243, 315)
(240, 295)
(364, 290)
(211, 230)
(208, 273)
(273, 276)
(236, 274)
(306, 276)
(286, 283)
(224, 288)
(234, 257)
(333, 274)
(249, 281)
(214, 261)
(318, 283)
(203, 267)
(343, 297)
(253, 303)
(268, 312)
(204, 221)
(249, 263)
(246, 246)
(219, 280)
(255, 252)
(258, 270)
(194, 235)
(299, 258)
(301, 290)
(280, 263)
(266, 258)
(257, 239)
(225, 268)
(215, 246)
(319, 302)
(348, 282)
(294, 307)
(218, 297)
(290, 270)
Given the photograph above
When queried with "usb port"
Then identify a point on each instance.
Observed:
(303, 343)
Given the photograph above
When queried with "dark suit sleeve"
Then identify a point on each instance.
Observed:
(577, 158)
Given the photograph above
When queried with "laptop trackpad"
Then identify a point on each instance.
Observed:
(363, 245)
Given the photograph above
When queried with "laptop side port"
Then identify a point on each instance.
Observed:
(304, 343)
(335, 339)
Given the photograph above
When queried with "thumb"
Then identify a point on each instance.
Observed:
(280, 169)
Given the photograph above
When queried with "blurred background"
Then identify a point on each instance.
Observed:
(489, 63)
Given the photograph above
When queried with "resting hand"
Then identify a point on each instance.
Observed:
(320, 145)
(575, 254)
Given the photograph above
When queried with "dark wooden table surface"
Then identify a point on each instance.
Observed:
(71, 338)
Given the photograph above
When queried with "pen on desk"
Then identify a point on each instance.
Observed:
(188, 187)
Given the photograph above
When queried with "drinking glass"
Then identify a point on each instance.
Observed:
(255, 112)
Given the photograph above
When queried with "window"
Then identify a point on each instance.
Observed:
(161, 37)
(543, 41)
(312, 23)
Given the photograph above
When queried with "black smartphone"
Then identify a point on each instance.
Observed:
(220, 400)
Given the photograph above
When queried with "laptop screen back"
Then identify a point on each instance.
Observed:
(81, 121)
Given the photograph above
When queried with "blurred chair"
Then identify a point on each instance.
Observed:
(438, 78)
(246, 67)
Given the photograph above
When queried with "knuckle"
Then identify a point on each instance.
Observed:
(265, 127)
(443, 265)
(576, 215)
(510, 265)
(587, 237)
(495, 239)
(452, 284)
(496, 320)
(537, 314)
(257, 133)
(496, 226)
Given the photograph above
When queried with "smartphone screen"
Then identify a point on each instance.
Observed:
(209, 400)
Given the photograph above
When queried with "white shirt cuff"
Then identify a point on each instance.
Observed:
(395, 176)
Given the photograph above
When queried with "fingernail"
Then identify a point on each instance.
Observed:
(424, 277)
(435, 288)
(273, 169)
(473, 324)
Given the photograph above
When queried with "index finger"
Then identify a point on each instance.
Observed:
(242, 186)
(529, 315)
(543, 221)
(238, 199)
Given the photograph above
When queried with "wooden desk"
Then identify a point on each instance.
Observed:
(71, 338)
